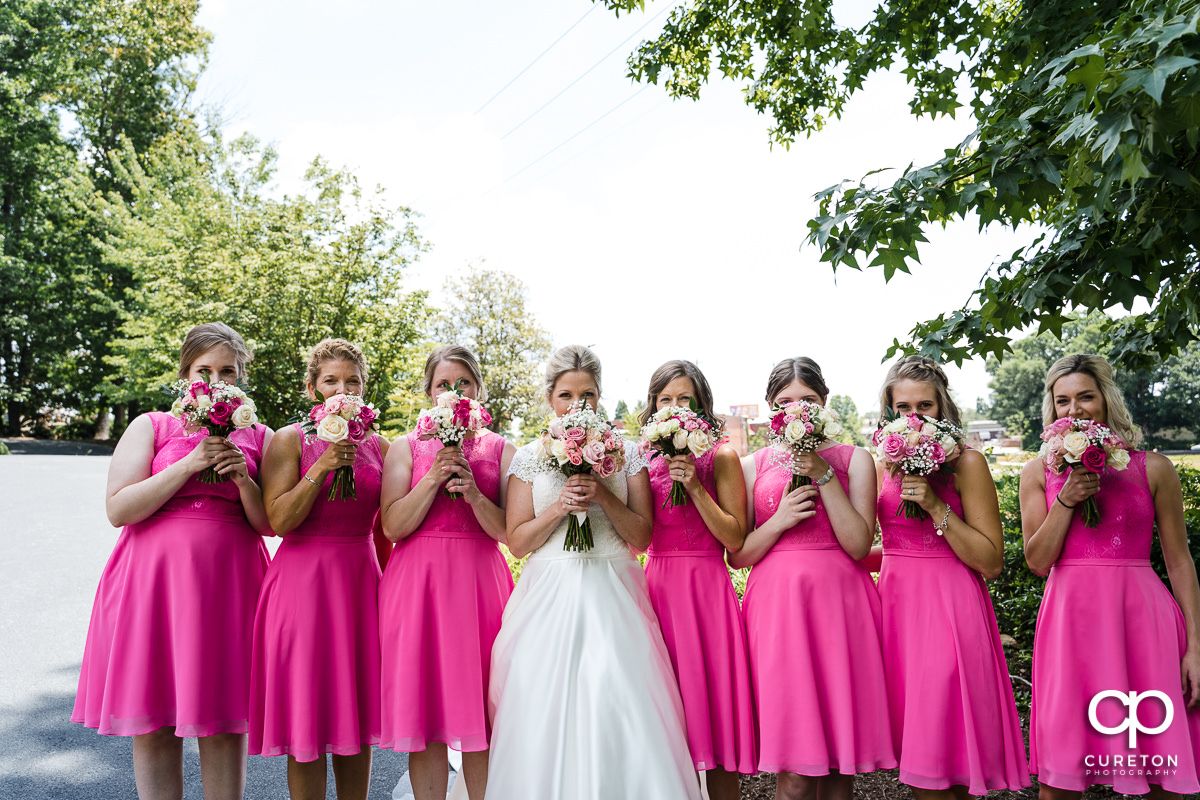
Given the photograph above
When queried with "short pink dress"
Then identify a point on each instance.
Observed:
(440, 605)
(697, 608)
(169, 639)
(315, 673)
(812, 619)
(1107, 623)
(954, 720)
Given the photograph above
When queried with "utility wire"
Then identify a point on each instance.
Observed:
(589, 69)
(531, 63)
(568, 139)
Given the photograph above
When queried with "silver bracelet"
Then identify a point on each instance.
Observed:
(945, 522)
(310, 480)
(826, 478)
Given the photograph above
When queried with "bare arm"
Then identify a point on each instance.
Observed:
(853, 515)
(527, 531)
(133, 493)
(724, 516)
(1181, 569)
(794, 507)
(977, 539)
(1045, 529)
(250, 493)
(288, 496)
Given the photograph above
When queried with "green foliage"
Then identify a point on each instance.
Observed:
(3, 449)
(847, 411)
(205, 241)
(1088, 121)
(1189, 482)
(1164, 400)
(631, 418)
(487, 314)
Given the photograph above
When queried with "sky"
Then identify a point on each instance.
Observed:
(645, 227)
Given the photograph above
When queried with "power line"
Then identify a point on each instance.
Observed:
(589, 69)
(531, 63)
(568, 139)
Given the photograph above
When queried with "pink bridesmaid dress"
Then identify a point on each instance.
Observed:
(315, 675)
(697, 608)
(440, 605)
(954, 720)
(813, 620)
(1107, 622)
(169, 639)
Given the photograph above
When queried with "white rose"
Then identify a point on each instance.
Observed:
(177, 407)
(680, 439)
(446, 399)
(559, 450)
(794, 431)
(203, 403)
(332, 428)
(948, 444)
(833, 430)
(1075, 443)
(699, 442)
(663, 413)
(243, 417)
(670, 426)
(1118, 459)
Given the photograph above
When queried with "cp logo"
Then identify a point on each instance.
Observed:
(1131, 722)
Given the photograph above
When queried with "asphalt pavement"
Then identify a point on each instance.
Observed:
(54, 542)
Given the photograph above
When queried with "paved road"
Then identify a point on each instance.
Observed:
(54, 542)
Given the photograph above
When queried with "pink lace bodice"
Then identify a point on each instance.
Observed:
(454, 518)
(770, 484)
(900, 532)
(343, 518)
(1126, 515)
(682, 529)
(172, 444)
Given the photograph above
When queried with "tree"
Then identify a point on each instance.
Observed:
(487, 315)
(847, 411)
(205, 241)
(632, 418)
(1088, 120)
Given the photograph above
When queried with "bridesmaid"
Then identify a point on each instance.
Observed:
(954, 720)
(168, 646)
(315, 677)
(691, 591)
(812, 612)
(1129, 636)
(444, 591)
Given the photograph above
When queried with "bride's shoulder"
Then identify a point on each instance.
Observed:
(528, 462)
(635, 461)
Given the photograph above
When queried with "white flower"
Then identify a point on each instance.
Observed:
(663, 413)
(558, 449)
(699, 442)
(832, 429)
(680, 439)
(1075, 443)
(670, 426)
(447, 399)
(1118, 459)
(794, 431)
(203, 403)
(332, 428)
(177, 407)
(244, 416)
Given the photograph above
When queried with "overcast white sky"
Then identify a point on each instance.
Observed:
(657, 195)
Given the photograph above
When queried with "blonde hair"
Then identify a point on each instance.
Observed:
(925, 370)
(205, 337)
(460, 355)
(334, 350)
(1098, 368)
(572, 358)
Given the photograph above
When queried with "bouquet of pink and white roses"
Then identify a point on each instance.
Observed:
(340, 418)
(675, 431)
(1069, 443)
(582, 441)
(914, 444)
(220, 407)
(801, 427)
(453, 417)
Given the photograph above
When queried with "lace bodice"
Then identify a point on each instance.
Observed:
(1126, 507)
(172, 444)
(454, 518)
(529, 465)
(902, 533)
(344, 518)
(681, 527)
(770, 484)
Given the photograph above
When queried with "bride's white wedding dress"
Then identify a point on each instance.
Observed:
(583, 700)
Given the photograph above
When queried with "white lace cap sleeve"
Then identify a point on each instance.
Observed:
(527, 462)
(635, 462)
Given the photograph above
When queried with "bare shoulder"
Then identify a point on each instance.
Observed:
(1159, 468)
(287, 440)
(1034, 471)
(727, 457)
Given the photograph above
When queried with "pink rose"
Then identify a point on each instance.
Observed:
(317, 414)
(574, 456)
(876, 435)
(804, 415)
(607, 467)
(426, 425)
(555, 428)
(809, 427)
(1056, 443)
(358, 431)
(485, 416)
(333, 405)
(594, 436)
(576, 434)
(368, 416)
(937, 453)
(199, 388)
(220, 413)
(691, 424)
(914, 422)
(235, 403)
(1060, 426)
(893, 446)
(593, 452)
(779, 422)
(910, 450)
(1093, 459)
(462, 415)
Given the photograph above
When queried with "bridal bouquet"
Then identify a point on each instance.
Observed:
(1073, 443)
(452, 418)
(341, 417)
(914, 444)
(582, 441)
(675, 431)
(801, 427)
(220, 407)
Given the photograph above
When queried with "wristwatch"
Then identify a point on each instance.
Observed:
(824, 479)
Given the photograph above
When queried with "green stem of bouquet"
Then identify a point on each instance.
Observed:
(209, 476)
(797, 481)
(678, 496)
(342, 487)
(912, 510)
(579, 534)
(1090, 512)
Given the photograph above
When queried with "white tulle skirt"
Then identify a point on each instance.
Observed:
(583, 700)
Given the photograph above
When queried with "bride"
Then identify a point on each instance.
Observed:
(581, 684)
